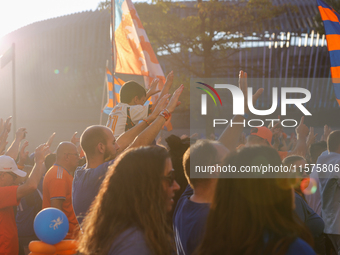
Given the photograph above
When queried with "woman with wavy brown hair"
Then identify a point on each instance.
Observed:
(129, 214)
(254, 215)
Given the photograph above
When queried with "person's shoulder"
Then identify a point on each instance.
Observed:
(138, 107)
(130, 242)
(298, 197)
(327, 156)
(300, 247)
(56, 172)
(52, 171)
(120, 107)
(106, 164)
(7, 189)
(83, 172)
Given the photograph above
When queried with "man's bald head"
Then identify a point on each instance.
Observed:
(67, 156)
(66, 148)
(92, 136)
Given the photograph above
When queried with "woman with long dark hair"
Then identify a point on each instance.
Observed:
(254, 216)
(129, 215)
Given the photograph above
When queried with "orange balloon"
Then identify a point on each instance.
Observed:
(66, 245)
(37, 253)
(41, 247)
(66, 252)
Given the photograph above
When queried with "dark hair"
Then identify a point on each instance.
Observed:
(50, 160)
(203, 153)
(91, 137)
(129, 90)
(333, 141)
(252, 216)
(315, 149)
(290, 160)
(177, 148)
(131, 195)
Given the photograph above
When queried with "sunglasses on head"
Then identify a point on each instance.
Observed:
(170, 177)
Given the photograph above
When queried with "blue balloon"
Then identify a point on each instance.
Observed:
(51, 225)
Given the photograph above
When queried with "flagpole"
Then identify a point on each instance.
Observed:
(113, 47)
(14, 96)
(103, 97)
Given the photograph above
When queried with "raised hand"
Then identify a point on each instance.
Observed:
(23, 155)
(153, 88)
(8, 124)
(3, 141)
(169, 80)
(302, 129)
(162, 103)
(20, 134)
(311, 138)
(40, 152)
(174, 99)
(326, 131)
(75, 140)
(243, 85)
(50, 140)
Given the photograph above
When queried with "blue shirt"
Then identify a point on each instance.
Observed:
(330, 191)
(300, 247)
(28, 208)
(189, 222)
(130, 242)
(308, 216)
(85, 187)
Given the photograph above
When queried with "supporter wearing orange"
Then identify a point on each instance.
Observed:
(263, 136)
(57, 187)
(10, 196)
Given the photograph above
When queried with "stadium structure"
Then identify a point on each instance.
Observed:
(60, 67)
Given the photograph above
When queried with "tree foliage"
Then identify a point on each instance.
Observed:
(207, 32)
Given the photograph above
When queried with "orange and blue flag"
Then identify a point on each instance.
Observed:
(133, 50)
(331, 22)
(134, 54)
(112, 95)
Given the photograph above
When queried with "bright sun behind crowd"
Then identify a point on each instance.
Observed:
(20, 13)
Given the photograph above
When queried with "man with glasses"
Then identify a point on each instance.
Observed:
(10, 195)
(57, 186)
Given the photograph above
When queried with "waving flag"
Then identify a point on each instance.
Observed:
(134, 54)
(331, 22)
(112, 95)
(133, 51)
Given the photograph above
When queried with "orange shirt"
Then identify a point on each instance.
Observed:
(9, 244)
(58, 185)
(283, 154)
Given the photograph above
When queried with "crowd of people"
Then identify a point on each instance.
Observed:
(125, 194)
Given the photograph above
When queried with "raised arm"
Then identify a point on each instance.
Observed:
(150, 133)
(39, 168)
(301, 134)
(153, 89)
(23, 155)
(129, 136)
(13, 150)
(231, 135)
(166, 87)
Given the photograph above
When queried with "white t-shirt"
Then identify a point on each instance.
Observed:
(117, 120)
